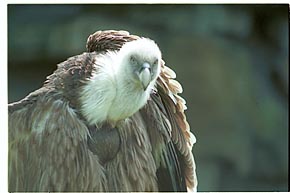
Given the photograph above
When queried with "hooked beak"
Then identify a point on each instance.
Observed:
(145, 75)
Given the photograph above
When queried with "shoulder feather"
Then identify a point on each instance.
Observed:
(102, 41)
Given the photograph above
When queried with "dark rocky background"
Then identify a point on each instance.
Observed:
(232, 61)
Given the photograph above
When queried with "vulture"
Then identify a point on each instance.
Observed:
(109, 119)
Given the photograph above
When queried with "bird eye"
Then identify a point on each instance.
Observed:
(132, 59)
(156, 62)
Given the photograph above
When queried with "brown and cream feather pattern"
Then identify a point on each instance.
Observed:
(52, 147)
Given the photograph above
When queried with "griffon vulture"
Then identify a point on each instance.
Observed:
(109, 119)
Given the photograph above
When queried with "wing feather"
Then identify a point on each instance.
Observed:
(48, 149)
(181, 135)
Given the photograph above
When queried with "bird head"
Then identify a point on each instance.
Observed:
(141, 60)
(122, 82)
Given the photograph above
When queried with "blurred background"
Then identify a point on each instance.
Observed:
(232, 61)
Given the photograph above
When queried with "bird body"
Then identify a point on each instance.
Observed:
(109, 119)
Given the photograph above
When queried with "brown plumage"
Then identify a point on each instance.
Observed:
(54, 147)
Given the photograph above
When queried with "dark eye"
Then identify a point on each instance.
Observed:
(155, 62)
(133, 59)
